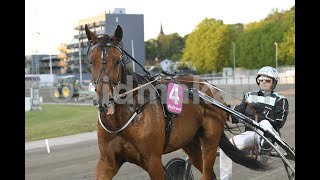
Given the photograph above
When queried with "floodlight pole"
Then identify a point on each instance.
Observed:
(50, 64)
(80, 65)
(276, 44)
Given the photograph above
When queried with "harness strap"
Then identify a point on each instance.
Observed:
(135, 89)
(168, 131)
(141, 108)
(133, 59)
(169, 122)
(117, 130)
(137, 111)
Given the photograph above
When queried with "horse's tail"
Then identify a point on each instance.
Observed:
(239, 156)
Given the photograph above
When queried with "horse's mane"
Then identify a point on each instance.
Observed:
(138, 79)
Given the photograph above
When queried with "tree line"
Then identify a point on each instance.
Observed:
(213, 45)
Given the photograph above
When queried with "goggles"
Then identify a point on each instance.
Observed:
(265, 79)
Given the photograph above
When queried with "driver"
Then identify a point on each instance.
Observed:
(272, 110)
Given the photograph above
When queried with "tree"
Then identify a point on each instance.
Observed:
(208, 46)
(165, 46)
(287, 52)
(151, 49)
(256, 44)
(287, 47)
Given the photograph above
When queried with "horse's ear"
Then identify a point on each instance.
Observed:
(92, 37)
(118, 34)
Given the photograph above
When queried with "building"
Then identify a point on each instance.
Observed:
(40, 64)
(32, 63)
(80, 41)
(166, 64)
(59, 66)
(133, 38)
(161, 33)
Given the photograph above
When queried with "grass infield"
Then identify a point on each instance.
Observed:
(59, 120)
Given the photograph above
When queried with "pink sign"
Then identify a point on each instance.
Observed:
(174, 98)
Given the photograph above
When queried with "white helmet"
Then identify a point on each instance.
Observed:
(270, 72)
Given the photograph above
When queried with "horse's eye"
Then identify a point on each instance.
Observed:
(89, 61)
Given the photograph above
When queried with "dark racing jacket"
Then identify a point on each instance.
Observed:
(270, 106)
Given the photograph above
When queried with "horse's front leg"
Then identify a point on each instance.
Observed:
(155, 168)
(106, 168)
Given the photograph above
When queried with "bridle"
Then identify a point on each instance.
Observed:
(103, 103)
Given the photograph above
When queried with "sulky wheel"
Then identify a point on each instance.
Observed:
(178, 168)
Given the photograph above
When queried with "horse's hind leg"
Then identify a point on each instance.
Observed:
(209, 144)
(105, 170)
(193, 150)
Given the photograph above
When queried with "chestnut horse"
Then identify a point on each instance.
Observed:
(198, 129)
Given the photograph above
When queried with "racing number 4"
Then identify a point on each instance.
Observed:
(174, 94)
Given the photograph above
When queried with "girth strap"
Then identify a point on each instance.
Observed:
(168, 131)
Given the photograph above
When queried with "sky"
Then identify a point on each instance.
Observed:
(48, 23)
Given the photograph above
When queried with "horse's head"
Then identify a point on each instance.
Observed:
(106, 59)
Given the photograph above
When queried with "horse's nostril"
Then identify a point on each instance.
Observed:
(109, 103)
(95, 102)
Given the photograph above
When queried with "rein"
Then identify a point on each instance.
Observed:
(115, 97)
